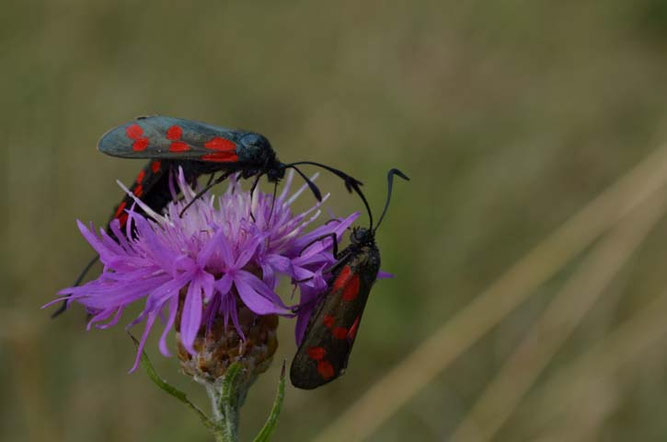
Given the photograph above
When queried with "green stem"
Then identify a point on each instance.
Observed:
(226, 400)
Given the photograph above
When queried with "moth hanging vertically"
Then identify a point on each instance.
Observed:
(325, 349)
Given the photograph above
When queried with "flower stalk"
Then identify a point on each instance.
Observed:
(211, 277)
(227, 396)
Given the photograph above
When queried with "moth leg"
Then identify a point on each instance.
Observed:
(273, 200)
(63, 306)
(201, 193)
(252, 192)
(298, 281)
(210, 179)
(331, 235)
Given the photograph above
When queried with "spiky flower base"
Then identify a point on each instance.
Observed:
(220, 345)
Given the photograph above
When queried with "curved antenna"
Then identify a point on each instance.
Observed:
(390, 182)
(368, 208)
(351, 184)
(311, 185)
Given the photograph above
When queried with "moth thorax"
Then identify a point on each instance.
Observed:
(361, 236)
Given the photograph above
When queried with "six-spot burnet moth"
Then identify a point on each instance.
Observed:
(199, 149)
(325, 348)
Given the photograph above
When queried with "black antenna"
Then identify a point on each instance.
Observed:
(351, 184)
(311, 185)
(390, 182)
(368, 208)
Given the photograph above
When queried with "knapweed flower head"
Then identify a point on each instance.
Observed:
(214, 269)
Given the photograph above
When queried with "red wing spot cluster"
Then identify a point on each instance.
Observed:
(178, 146)
(351, 289)
(123, 219)
(348, 282)
(155, 166)
(120, 214)
(224, 151)
(135, 132)
(353, 330)
(328, 321)
(316, 353)
(174, 133)
(324, 368)
(339, 333)
(342, 278)
(120, 209)
(141, 176)
(220, 144)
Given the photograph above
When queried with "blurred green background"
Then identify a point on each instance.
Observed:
(509, 117)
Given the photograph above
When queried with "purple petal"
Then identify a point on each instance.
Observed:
(247, 252)
(224, 248)
(233, 312)
(224, 285)
(151, 260)
(207, 282)
(100, 316)
(211, 247)
(256, 295)
(142, 341)
(173, 309)
(191, 317)
(114, 320)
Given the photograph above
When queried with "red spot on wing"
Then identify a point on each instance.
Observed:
(141, 176)
(317, 353)
(139, 190)
(342, 278)
(174, 132)
(351, 290)
(155, 166)
(221, 157)
(353, 330)
(178, 146)
(120, 209)
(134, 131)
(140, 144)
(123, 219)
(325, 369)
(339, 333)
(219, 143)
(328, 321)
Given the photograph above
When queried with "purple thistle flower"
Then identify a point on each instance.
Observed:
(194, 270)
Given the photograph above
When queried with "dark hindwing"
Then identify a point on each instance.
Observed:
(325, 349)
(171, 138)
(152, 187)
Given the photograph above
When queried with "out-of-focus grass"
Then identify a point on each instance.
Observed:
(508, 117)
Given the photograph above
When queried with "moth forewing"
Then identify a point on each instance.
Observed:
(332, 329)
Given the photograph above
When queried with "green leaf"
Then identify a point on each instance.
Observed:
(272, 421)
(175, 392)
